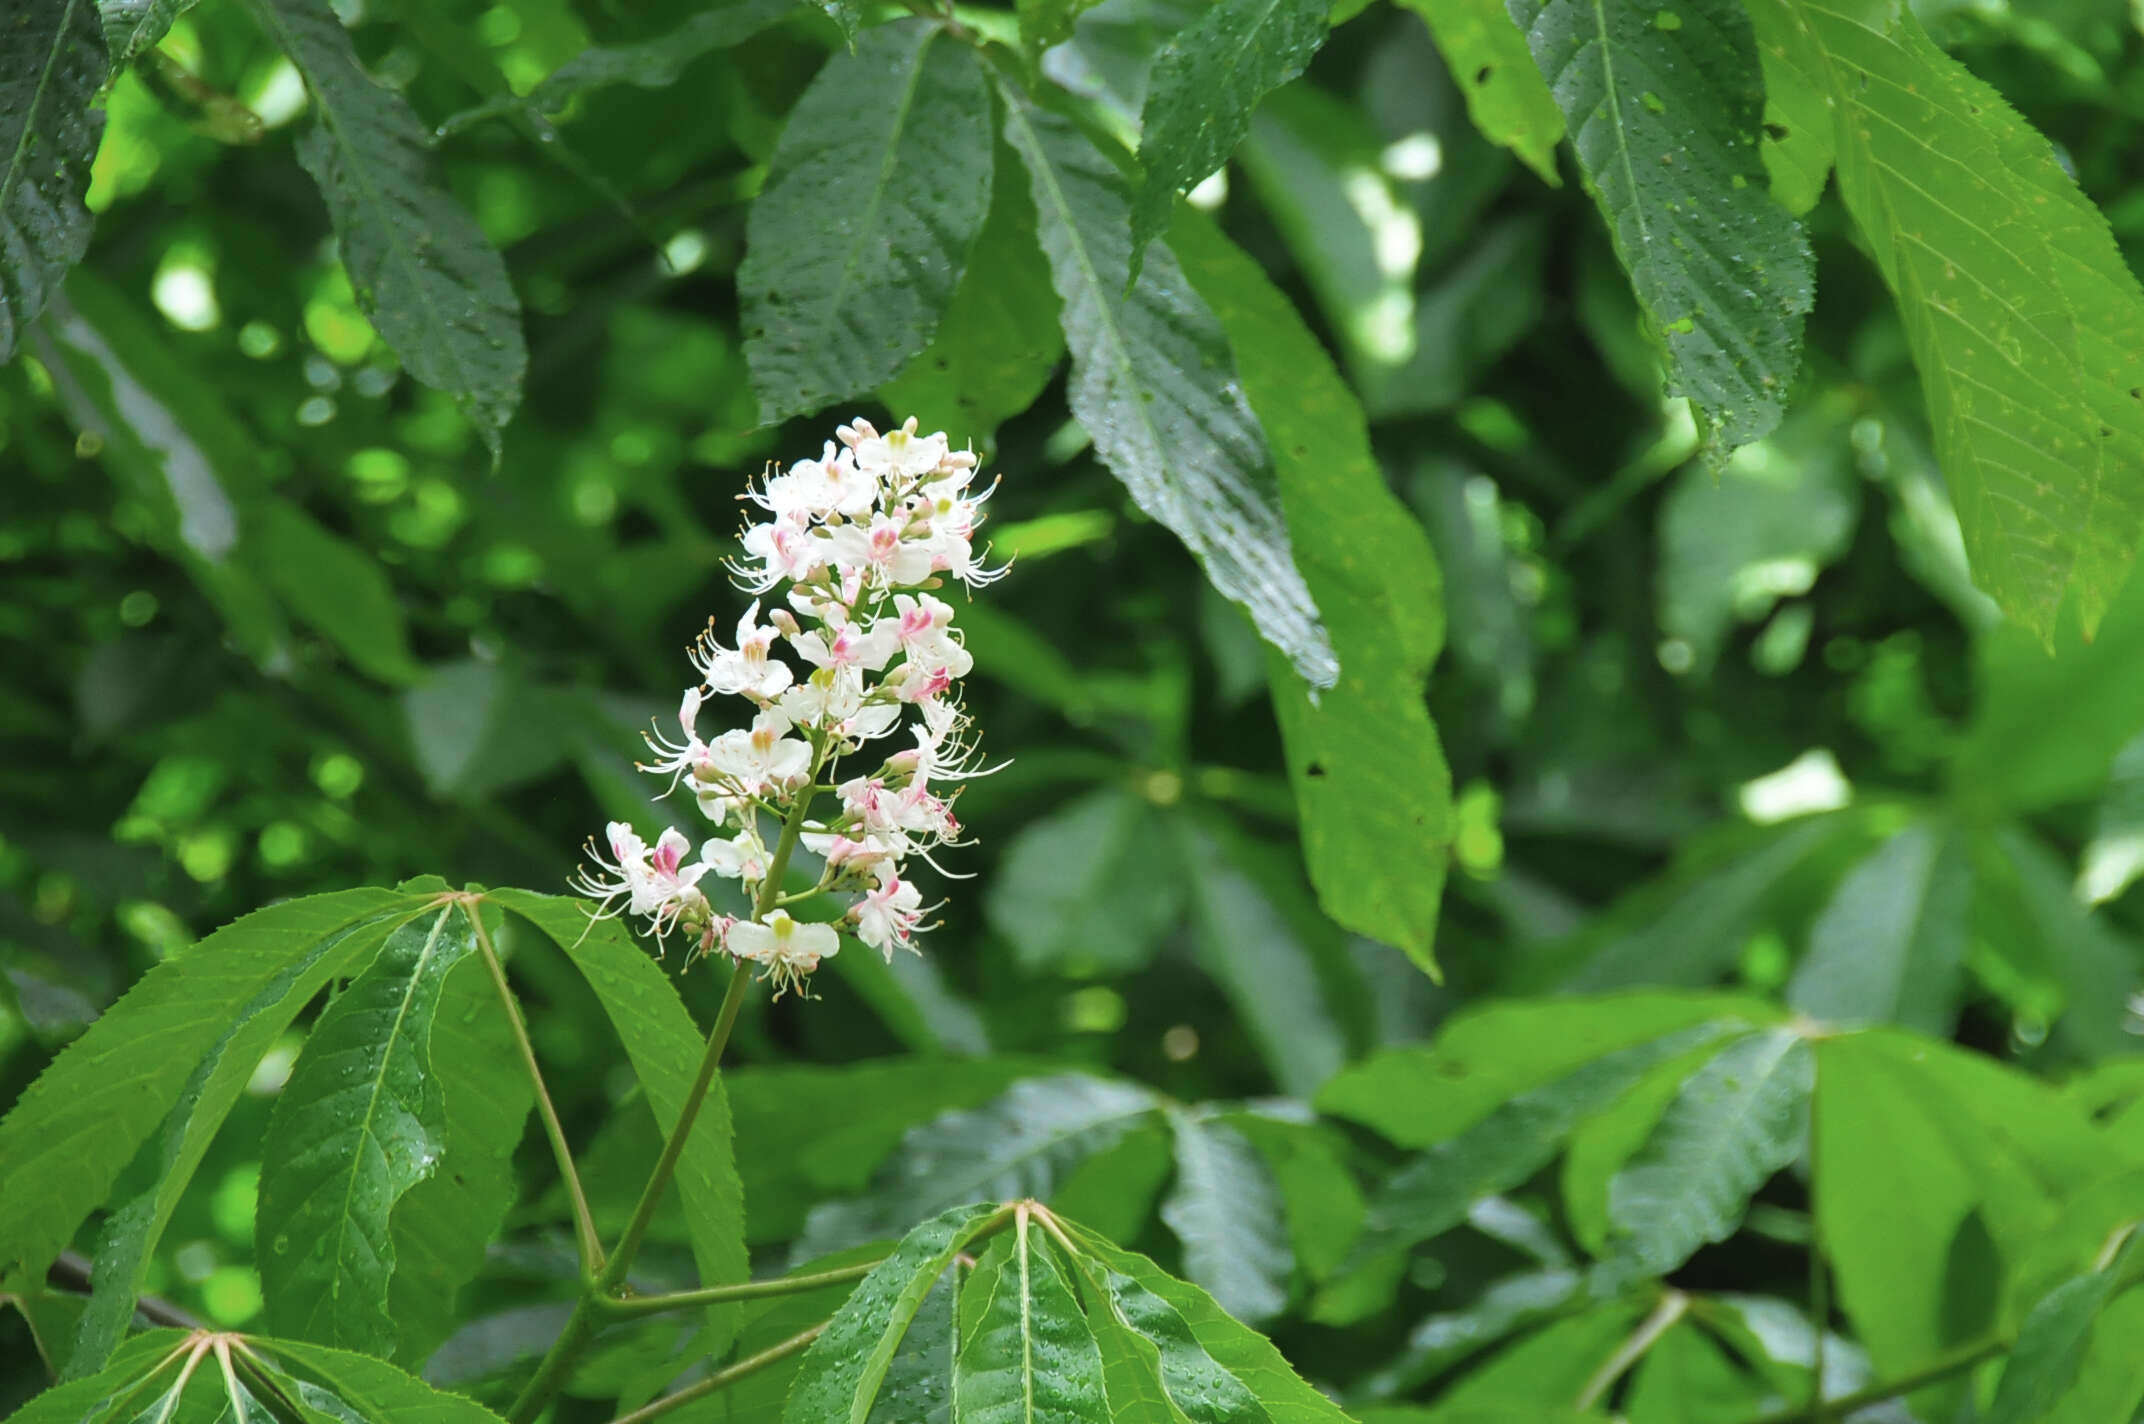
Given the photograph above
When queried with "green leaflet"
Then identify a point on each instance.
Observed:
(1664, 118)
(2051, 1345)
(1029, 1357)
(1363, 757)
(72, 1131)
(1226, 1209)
(1152, 383)
(847, 1368)
(334, 586)
(997, 344)
(1044, 23)
(127, 1242)
(1200, 94)
(1687, 1378)
(2020, 310)
(360, 1123)
(52, 68)
(873, 199)
(919, 1378)
(1165, 1356)
(441, 1227)
(1798, 145)
(664, 1047)
(372, 1390)
(1095, 882)
(1889, 945)
(130, 1378)
(1018, 1145)
(1505, 95)
(133, 27)
(424, 273)
(1735, 1122)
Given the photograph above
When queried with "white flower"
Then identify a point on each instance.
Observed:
(782, 550)
(831, 484)
(742, 857)
(879, 551)
(898, 454)
(924, 629)
(787, 950)
(887, 915)
(747, 669)
(757, 761)
(865, 647)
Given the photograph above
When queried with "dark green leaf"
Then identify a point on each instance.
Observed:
(1363, 756)
(1094, 883)
(372, 1390)
(1505, 95)
(1199, 97)
(1044, 23)
(1890, 944)
(360, 1123)
(1016, 1146)
(69, 1134)
(139, 1370)
(846, 1372)
(340, 590)
(133, 27)
(1191, 1381)
(2018, 306)
(2052, 1343)
(1736, 1121)
(1152, 384)
(52, 66)
(873, 199)
(665, 1049)
(1665, 119)
(1029, 1357)
(1226, 1209)
(423, 271)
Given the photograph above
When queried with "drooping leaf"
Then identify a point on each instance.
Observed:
(423, 271)
(1226, 1209)
(368, 1389)
(72, 1131)
(134, 27)
(2018, 305)
(2051, 1344)
(1199, 97)
(873, 199)
(1735, 1122)
(1363, 756)
(1505, 94)
(1095, 882)
(997, 344)
(1152, 384)
(361, 1122)
(1016, 1146)
(846, 1372)
(665, 1049)
(1664, 118)
(443, 1225)
(1029, 1357)
(1889, 946)
(52, 67)
(336, 587)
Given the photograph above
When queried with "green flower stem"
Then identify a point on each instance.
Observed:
(743, 1290)
(724, 1378)
(584, 1222)
(600, 1292)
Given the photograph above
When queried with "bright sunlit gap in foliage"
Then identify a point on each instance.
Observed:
(1810, 783)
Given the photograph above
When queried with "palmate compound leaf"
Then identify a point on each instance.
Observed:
(665, 1048)
(1363, 756)
(1156, 1368)
(338, 1386)
(131, 1377)
(1664, 104)
(52, 67)
(1152, 383)
(1204, 85)
(1505, 94)
(1225, 1208)
(848, 1369)
(424, 273)
(361, 1122)
(71, 1132)
(1027, 1353)
(873, 199)
(2020, 310)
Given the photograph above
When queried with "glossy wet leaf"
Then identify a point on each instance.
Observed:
(1029, 1357)
(873, 199)
(52, 66)
(133, 27)
(1664, 118)
(1225, 1208)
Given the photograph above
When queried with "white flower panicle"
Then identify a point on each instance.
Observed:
(862, 536)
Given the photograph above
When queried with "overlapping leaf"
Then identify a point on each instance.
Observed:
(1889, 945)
(1505, 95)
(52, 67)
(133, 27)
(1226, 1209)
(1029, 1357)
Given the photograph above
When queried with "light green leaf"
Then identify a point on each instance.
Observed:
(1030, 1357)
(69, 1134)
(52, 68)
(1200, 94)
(338, 589)
(1018, 1145)
(1163, 1355)
(423, 271)
(134, 27)
(1094, 883)
(373, 1390)
(1226, 1209)
(1152, 383)
(1889, 945)
(873, 199)
(1363, 756)
(1505, 95)
(1738, 1120)
(2020, 310)
(1044, 23)
(997, 344)
(1324, 1206)
(1798, 144)
(2051, 1346)
(443, 1225)
(2025, 910)
(134, 1370)
(1664, 118)
(1687, 1378)
(846, 1371)
(664, 1047)
(360, 1123)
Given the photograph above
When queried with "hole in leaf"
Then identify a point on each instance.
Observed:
(1777, 133)
(1481, 75)
(1316, 768)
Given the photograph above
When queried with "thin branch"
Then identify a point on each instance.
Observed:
(72, 1273)
(743, 1290)
(584, 1222)
(1954, 1361)
(724, 1378)
(1672, 1307)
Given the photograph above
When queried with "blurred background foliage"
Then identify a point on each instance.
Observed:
(1705, 728)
